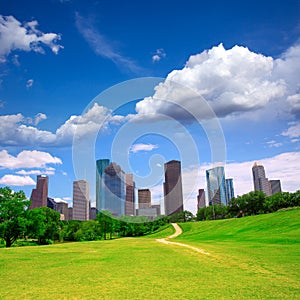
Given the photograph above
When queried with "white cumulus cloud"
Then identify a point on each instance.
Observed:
(17, 36)
(15, 180)
(27, 159)
(16, 132)
(234, 82)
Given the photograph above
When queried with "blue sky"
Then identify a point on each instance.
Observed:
(56, 57)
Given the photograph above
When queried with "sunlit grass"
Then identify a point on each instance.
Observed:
(243, 264)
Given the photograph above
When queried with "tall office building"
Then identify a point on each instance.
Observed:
(101, 165)
(261, 183)
(173, 188)
(216, 189)
(201, 199)
(229, 189)
(81, 203)
(130, 196)
(144, 198)
(275, 186)
(115, 189)
(39, 195)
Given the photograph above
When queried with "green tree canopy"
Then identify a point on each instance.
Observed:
(12, 215)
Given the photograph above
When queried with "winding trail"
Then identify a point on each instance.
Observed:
(178, 231)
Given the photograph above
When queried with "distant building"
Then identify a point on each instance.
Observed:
(201, 199)
(59, 206)
(229, 189)
(93, 213)
(216, 189)
(39, 195)
(81, 203)
(150, 213)
(70, 213)
(144, 198)
(173, 196)
(115, 190)
(130, 196)
(157, 207)
(275, 186)
(261, 183)
(101, 165)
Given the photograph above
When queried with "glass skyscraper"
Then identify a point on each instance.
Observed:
(114, 180)
(229, 189)
(216, 188)
(101, 165)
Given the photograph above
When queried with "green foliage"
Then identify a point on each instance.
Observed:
(184, 216)
(253, 203)
(43, 223)
(212, 212)
(12, 215)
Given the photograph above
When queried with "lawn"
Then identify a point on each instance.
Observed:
(250, 258)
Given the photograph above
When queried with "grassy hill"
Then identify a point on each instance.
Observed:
(250, 258)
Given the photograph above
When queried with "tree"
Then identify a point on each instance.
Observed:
(43, 223)
(12, 215)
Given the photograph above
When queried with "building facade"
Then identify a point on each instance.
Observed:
(229, 189)
(275, 186)
(101, 165)
(81, 203)
(261, 183)
(130, 196)
(39, 195)
(201, 199)
(114, 190)
(216, 189)
(144, 198)
(173, 196)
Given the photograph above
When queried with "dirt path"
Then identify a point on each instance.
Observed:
(178, 231)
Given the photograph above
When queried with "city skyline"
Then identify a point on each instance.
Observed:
(67, 95)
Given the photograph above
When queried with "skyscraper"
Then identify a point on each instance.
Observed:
(261, 183)
(39, 195)
(173, 188)
(101, 164)
(81, 203)
(201, 199)
(216, 189)
(229, 189)
(130, 196)
(115, 190)
(144, 198)
(275, 186)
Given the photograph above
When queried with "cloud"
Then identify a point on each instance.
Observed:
(27, 159)
(142, 147)
(16, 132)
(47, 171)
(293, 131)
(159, 54)
(274, 144)
(102, 46)
(26, 37)
(15, 180)
(234, 82)
(29, 83)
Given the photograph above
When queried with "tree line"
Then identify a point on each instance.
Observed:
(249, 204)
(43, 225)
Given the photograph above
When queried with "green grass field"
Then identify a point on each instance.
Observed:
(251, 258)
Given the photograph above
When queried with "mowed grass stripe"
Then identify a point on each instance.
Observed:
(141, 268)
